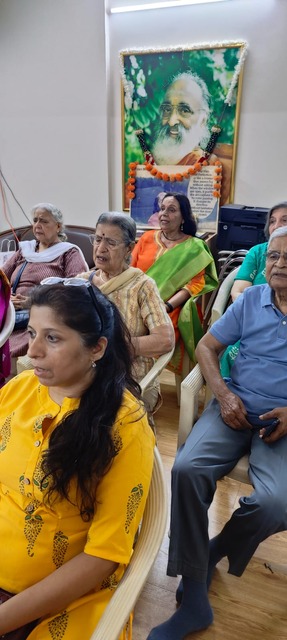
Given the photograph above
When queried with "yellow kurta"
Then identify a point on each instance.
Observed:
(36, 538)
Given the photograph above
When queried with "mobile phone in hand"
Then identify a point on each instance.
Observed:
(270, 428)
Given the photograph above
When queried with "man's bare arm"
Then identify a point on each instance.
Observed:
(231, 406)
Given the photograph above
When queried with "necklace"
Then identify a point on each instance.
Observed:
(171, 239)
(101, 277)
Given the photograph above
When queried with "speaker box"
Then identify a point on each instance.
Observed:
(240, 227)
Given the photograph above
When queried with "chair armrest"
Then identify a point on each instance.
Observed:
(156, 369)
(190, 388)
(147, 546)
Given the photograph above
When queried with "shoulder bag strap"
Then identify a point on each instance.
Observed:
(15, 285)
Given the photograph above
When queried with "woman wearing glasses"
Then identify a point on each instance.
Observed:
(135, 294)
(76, 461)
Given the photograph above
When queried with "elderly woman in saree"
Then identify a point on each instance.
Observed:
(49, 254)
(134, 293)
(182, 267)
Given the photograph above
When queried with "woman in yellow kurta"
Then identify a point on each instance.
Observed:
(76, 456)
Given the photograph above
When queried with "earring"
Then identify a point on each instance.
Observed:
(94, 364)
(181, 226)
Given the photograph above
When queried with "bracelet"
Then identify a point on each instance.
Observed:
(169, 307)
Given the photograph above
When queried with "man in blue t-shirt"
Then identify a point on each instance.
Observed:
(235, 422)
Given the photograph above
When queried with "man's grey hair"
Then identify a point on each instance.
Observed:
(282, 231)
(189, 75)
(123, 221)
(56, 213)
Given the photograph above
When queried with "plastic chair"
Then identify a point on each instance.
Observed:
(191, 387)
(8, 324)
(194, 384)
(223, 294)
(5, 333)
(228, 263)
(156, 369)
(147, 546)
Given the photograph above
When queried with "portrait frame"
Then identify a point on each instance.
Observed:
(146, 76)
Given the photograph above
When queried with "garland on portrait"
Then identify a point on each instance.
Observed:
(149, 160)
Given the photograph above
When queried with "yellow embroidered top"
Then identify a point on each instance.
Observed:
(37, 538)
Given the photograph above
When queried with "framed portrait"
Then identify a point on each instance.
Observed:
(180, 107)
(200, 188)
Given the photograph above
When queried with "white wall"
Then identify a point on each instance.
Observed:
(260, 177)
(57, 109)
(53, 115)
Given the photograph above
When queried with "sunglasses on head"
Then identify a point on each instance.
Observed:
(77, 282)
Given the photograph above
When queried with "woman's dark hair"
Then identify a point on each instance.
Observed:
(281, 205)
(189, 225)
(82, 446)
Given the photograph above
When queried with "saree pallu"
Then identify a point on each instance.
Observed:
(171, 272)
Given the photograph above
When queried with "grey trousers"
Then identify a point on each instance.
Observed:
(210, 452)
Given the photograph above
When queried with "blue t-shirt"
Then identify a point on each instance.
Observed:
(259, 373)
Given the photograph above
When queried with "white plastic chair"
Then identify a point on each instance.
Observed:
(156, 369)
(191, 387)
(221, 300)
(147, 546)
(8, 324)
(194, 384)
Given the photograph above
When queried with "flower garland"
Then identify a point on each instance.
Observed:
(215, 130)
(173, 177)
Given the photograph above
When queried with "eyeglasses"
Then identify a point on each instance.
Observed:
(183, 110)
(274, 256)
(77, 282)
(96, 241)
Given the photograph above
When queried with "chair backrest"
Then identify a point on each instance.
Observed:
(228, 261)
(76, 234)
(223, 294)
(147, 546)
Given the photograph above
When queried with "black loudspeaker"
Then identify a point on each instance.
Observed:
(240, 227)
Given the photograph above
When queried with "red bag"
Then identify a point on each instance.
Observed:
(21, 633)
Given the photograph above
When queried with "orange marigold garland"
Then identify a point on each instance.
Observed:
(217, 179)
(173, 177)
(132, 180)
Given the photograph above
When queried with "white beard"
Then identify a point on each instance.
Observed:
(166, 150)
